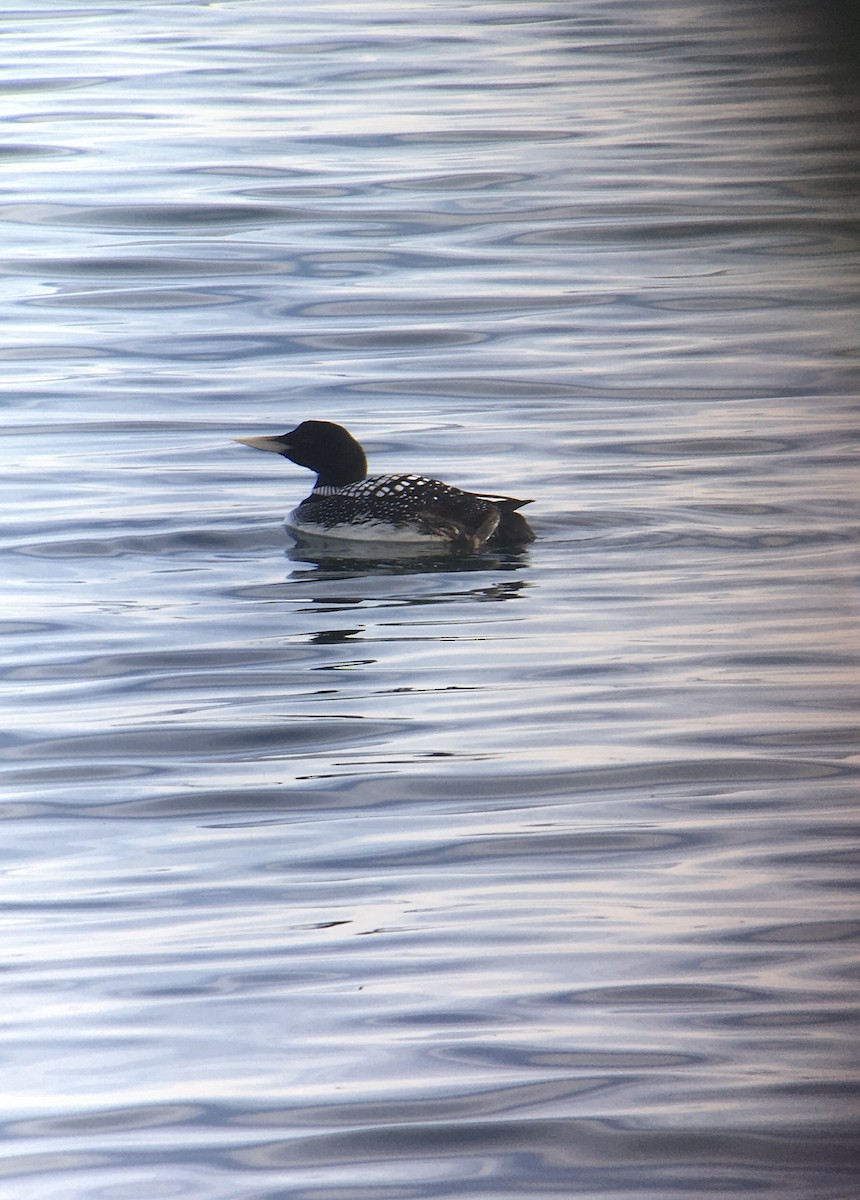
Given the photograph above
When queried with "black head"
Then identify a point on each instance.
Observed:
(322, 446)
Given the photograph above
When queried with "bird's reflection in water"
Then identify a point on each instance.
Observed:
(332, 562)
(335, 637)
(372, 570)
(333, 582)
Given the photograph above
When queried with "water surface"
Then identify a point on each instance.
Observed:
(503, 875)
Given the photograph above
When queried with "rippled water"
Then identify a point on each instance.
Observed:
(497, 876)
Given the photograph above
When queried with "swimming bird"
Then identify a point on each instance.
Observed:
(347, 504)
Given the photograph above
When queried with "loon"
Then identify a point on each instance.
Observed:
(347, 504)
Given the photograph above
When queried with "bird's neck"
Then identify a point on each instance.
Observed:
(350, 468)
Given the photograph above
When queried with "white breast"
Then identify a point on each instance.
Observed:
(363, 531)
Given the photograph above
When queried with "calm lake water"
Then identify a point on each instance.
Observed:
(392, 879)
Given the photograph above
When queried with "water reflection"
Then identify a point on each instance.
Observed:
(340, 562)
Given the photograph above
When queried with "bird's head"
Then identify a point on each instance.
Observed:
(322, 446)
